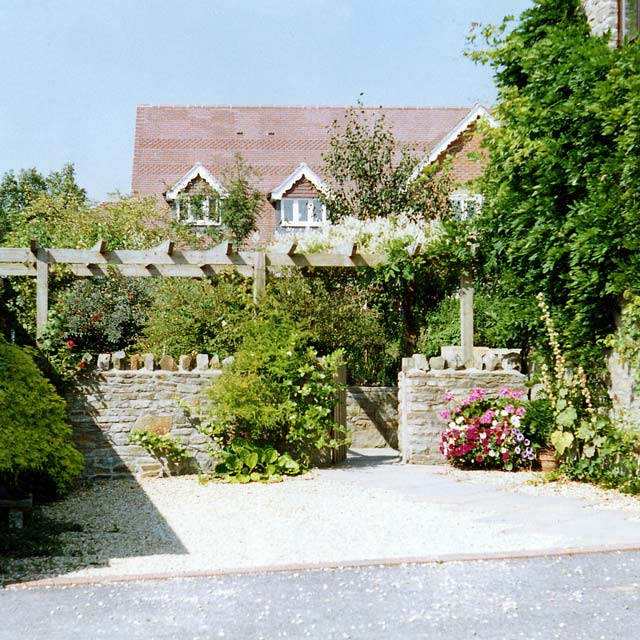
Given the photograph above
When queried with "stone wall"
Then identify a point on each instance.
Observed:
(602, 16)
(422, 388)
(372, 417)
(106, 405)
(623, 390)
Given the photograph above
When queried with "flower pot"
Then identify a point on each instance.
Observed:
(547, 460)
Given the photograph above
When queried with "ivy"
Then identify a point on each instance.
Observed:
(562, 201)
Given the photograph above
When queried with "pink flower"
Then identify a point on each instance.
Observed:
(479, 458)
(505, 392)
(71, 344)
(445, 415)
(476, 394)
(510, 408)
(448, 396)
(488, 417)
(505, 456)
(520, 411)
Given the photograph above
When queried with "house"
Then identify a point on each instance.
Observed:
(619, 17)
(180, 153)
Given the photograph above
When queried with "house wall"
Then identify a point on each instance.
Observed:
(469, 158)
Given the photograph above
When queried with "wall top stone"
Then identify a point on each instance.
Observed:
(119, 362)
(484, 359)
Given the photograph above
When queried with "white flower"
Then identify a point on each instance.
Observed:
(483, 436)
(503, 413)
(515, 421)
(459, 420)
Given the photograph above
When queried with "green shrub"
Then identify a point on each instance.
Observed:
(160, 446)
(35, 439)
(245, 462)
(538, 422)
(199, 316)
(336, 311)
(276, 393)
(496, 324)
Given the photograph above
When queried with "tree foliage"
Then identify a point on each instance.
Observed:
(199, 316)
(561, 208)
(370, 175)
(19, 192)
(240, 207)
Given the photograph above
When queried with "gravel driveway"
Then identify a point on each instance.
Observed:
(358, 512)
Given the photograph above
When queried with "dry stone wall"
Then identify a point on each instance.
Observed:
(108, 404)
(422, 387)
(372, 417)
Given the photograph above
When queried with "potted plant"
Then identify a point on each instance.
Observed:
(538, 423)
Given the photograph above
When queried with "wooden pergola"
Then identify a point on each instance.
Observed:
(166, 261)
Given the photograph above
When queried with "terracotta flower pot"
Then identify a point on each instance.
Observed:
(547, 460)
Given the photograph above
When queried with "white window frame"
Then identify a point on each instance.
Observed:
(296, 221)
(185, 216)
(463, 200)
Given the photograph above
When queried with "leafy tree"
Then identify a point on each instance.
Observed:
(18, 193)
(371, 175)
(241, 205)
(59, 220)
(197, 315)
(562, 203)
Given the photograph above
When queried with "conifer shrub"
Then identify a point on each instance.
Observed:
(35, 438)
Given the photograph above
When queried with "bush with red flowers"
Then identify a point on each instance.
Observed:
(485, 432)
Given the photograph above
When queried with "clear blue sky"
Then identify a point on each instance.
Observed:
(74, 70)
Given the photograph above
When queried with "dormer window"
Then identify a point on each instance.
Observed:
(195, 198)
(301, 212)
(297, 200)
(200, 206)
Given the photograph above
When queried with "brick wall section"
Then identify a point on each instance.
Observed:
(469, 158)
(106, 406)
(372, 417)
(421, 398)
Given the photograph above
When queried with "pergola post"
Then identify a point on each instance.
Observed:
(42, 286)
(466, 319)
(259, 275)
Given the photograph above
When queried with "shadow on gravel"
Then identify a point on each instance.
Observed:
(89, 528)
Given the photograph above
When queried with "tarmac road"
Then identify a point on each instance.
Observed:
(590, 596)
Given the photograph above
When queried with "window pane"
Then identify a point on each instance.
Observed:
(303, 212)
(316, 215)
(287, 210)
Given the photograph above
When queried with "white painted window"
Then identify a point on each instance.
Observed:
(464, 206)
(301, 212)
(199, 210)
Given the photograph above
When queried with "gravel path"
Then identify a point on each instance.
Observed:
(344, 515)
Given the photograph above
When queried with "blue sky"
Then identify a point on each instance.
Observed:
(74, 70)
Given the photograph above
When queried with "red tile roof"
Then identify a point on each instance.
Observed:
(170, 140)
